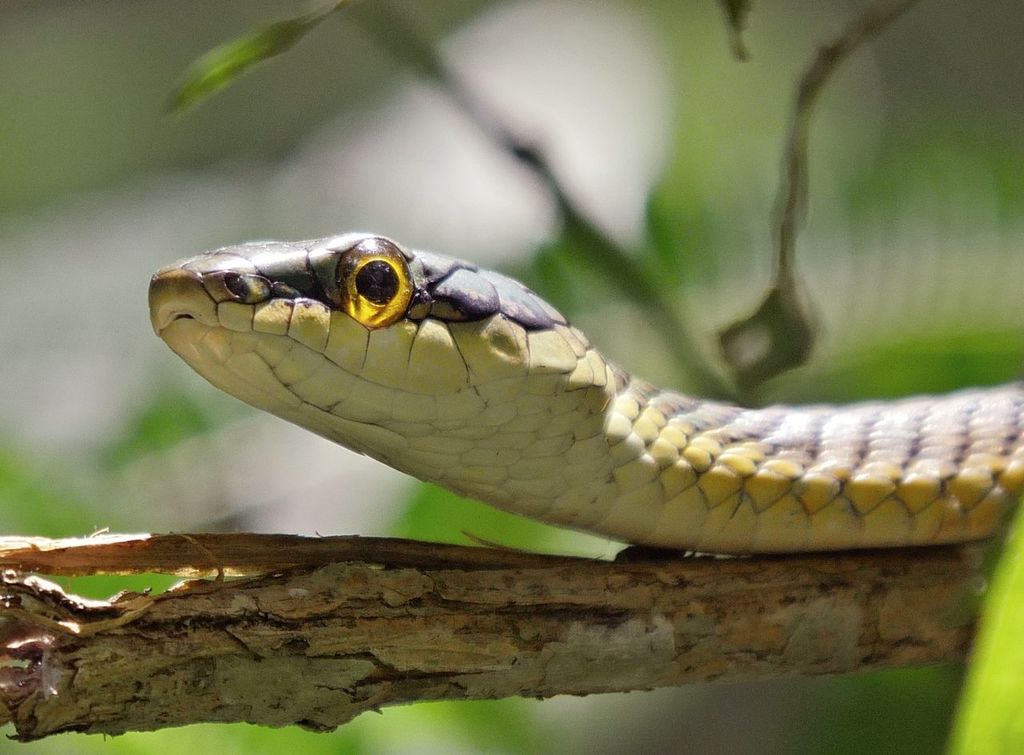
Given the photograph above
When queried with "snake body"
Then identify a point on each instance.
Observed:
(466, 378)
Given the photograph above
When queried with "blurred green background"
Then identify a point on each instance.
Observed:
(911, 258)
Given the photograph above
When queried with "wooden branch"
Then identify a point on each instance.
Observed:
(332, 627)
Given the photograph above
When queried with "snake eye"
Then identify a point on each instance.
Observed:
(377, 281)
(374, 283)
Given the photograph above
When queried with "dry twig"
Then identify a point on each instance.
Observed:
(346, 625)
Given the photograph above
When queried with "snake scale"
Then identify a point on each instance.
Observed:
(466, 378)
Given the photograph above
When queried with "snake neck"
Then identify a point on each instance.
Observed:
(529, 436)
(565, 437)
(586, 445)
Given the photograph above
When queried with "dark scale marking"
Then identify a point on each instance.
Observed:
(284, 383)
(962, 449)
(430, 268)
(621, 378)
(961, 452)
(281, 290)
(464, 295)
(673, 404)
(813, 446)
(715, 418)
(236, 284)
(419, 305)
(914, 450)
(860, 446)
(291, 270)
(520, 303)
(454, 290)
(643, 391)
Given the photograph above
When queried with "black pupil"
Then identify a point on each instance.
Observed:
(376, 280)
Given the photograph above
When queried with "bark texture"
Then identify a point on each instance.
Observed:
(323, 629)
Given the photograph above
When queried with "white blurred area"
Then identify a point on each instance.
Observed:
(584, 82)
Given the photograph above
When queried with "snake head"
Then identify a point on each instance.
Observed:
(428, 363)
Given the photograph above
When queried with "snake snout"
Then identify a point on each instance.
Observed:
(179, 294)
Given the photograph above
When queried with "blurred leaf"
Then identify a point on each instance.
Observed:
(777, 337)
(991, 718)
(962, 164)
(223, 64)
(558, 282)
(438, 515)
(471, 724)
(33, 503)
(896, 712)
(168, 419)
(900, 367)
(223, 739)
(680, 230)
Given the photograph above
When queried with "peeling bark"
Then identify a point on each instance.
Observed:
(323, 629)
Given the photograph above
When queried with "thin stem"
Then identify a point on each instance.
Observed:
(793, 187)
(638, 283)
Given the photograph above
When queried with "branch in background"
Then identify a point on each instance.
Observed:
(318, 644)
(780, 334)
(638, 282)
(794, 184)
(736, 13)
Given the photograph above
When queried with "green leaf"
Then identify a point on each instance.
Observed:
(35, 500)
(991, 716)
(168, 418)
(898, 364)
(897, 712)
(222, 65)
(437, 515)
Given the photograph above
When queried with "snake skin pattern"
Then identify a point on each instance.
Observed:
(482, 387)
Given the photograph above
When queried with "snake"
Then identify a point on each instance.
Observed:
(466, 378)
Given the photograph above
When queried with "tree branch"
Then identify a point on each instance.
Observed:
(332, 627)
(780, 334)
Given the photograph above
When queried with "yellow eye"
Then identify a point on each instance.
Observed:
(374, 283)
